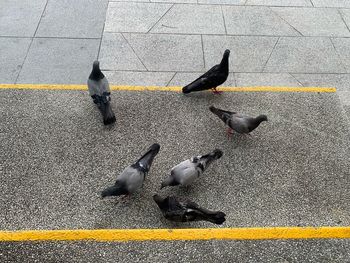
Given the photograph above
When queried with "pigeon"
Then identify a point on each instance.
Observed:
(100, 92)
(187, 171)
(133, 176)
(238, 122)
(211, 79)
(186, 211)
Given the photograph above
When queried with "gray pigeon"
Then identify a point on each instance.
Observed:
(216, 76)
(100, 92)
(187, 171)
(187, 211)
(133, 176)
(238, 122)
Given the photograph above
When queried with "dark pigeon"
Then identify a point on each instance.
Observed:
(187, 211)
(216, 76)
(101, 94)
(186, 172)
(132, 178)
(238, 122)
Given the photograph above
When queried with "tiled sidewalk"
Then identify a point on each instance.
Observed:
(169, 42)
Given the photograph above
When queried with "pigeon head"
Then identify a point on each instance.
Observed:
(164, 184)
(157, 198)
(96, 65)
(217, 153)
(262, 118)
(227, 53)
(155, 147)
(224, 61)
(167, 182)
(114, 190)
(96, 73)
(161, 202)
(146, 160)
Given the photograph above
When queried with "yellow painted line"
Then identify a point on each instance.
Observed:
(172, 89)
(121, 235)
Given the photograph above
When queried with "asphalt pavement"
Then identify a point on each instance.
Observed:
(57, 156)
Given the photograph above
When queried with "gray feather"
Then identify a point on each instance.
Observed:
(98, 87)
(186, 172)
(132, 178)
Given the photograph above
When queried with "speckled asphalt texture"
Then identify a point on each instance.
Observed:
(57, 156)
(290, 251)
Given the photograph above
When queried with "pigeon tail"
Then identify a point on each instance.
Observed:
(107, 113)
(115, 190)
(216, 217)
(191, 87)
(224, 61)
(145, 162)
(223, 115)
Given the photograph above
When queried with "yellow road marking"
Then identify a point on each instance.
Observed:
(172, 89)
(121, 235)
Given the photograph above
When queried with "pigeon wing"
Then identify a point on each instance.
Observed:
(206, 81)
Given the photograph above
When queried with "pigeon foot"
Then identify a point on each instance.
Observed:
(229, 133)
(215, 91)
(125, 198)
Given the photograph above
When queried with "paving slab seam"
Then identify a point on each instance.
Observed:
(212, 34)
(171, 89)
(239, 5)
(122, 235)
(247, 72)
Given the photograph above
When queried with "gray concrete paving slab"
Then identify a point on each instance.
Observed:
(342, 47)
(184, 78)
(222, 2)
(340, 81)
(345, 15)
(64, 61)
(130, 1)
(167, 52)
(12, 54)
(255, 20)
(75, 21)
(304, 55)
(133, 16)
(314, 21)
(20, 17)
(192, 19)
(248, 54)
(331, 3)
(58, 156)
(266, 79)
(280, 251)
(139, 78)
(117, 54)
(279, 2)
(175, 1)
